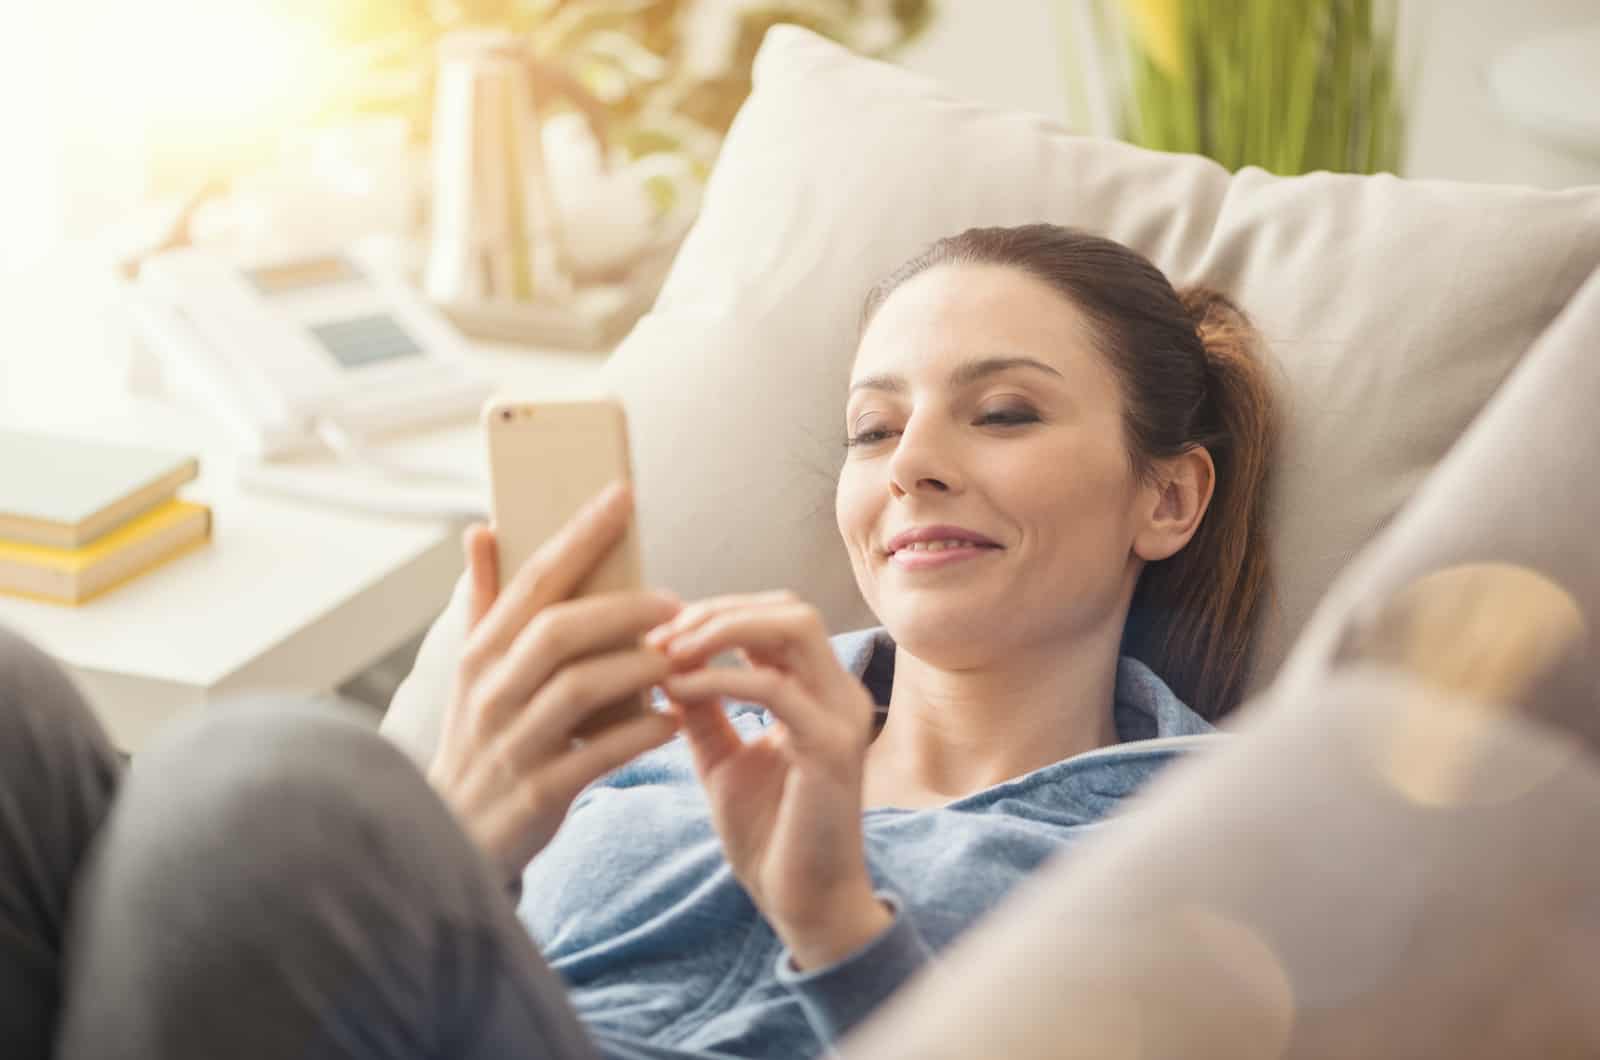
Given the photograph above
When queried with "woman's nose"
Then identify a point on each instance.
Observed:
(920, 464)
(928, 483)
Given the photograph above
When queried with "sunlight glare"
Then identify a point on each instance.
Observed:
(187, 69)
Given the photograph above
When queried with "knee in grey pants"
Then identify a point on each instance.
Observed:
(277, 880)
(58, 774)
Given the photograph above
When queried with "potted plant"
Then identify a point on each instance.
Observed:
(1291, 87)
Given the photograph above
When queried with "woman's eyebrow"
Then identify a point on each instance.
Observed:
(963, 374)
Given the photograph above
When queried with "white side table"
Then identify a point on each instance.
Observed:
(287, 594)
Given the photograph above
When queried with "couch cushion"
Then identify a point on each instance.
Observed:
(1520, 487)
(1394, 309)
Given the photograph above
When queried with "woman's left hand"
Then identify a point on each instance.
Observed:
(787, 804)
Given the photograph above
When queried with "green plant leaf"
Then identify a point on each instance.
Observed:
(1288, 86)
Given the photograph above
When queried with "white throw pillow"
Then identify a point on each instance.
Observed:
(1394, 309)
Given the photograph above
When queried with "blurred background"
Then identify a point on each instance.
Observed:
(320, 113)
(527, 168)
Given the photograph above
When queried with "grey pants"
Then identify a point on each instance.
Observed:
(269, 880)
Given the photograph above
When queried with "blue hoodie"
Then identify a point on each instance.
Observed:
(665, 955)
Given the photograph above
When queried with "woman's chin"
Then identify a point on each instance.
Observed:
(935, 633)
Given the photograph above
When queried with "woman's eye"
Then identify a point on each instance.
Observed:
(877, 434)
(1008, 416)
(999, 417)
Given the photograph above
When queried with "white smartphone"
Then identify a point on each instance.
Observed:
(547, 459)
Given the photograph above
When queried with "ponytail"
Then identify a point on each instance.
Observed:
(1194, 614)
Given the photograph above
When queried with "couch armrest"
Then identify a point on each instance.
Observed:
(416, 713)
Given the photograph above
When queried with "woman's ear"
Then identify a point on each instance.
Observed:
(1173, 502)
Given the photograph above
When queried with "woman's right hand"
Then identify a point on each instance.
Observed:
(535, 664)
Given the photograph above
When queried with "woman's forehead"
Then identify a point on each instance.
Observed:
(955, 312)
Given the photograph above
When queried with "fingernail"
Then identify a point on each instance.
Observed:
(665, 631)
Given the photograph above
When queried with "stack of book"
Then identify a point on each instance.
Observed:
(78, 517)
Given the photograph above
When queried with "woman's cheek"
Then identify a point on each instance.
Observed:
(853, 517)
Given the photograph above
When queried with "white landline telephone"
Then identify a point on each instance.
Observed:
(309, 351)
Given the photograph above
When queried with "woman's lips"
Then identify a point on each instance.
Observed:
(910, 559)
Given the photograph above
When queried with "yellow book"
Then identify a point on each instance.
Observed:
(74, 575)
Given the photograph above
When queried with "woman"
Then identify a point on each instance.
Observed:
(1052, 498)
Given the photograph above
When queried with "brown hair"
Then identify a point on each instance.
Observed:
(1190, 374)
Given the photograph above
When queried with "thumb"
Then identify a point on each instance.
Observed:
(711, 736)
(483, 570)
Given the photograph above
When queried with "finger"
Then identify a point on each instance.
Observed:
(559, 566)
(544, 727)
(808, 721)
(698, 613)
(483, 571)
(788, 635)
(711, 736)
(562, 634)
(615, 746)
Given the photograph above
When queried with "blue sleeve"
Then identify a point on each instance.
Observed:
(839, 996)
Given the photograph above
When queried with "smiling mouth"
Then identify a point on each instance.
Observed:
(932, 556)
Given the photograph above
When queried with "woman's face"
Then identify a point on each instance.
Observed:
(978, 402)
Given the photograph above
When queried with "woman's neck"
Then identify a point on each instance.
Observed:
(950, 733)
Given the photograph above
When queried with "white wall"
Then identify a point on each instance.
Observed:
(1456, 131)
(30, 204)
(1013, 53)
(1004, 52)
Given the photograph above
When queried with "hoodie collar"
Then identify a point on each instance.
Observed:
(1155, 727)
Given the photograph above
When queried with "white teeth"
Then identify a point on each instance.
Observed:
(936, 546)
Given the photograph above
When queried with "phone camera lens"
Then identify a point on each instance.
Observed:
(505, 415)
